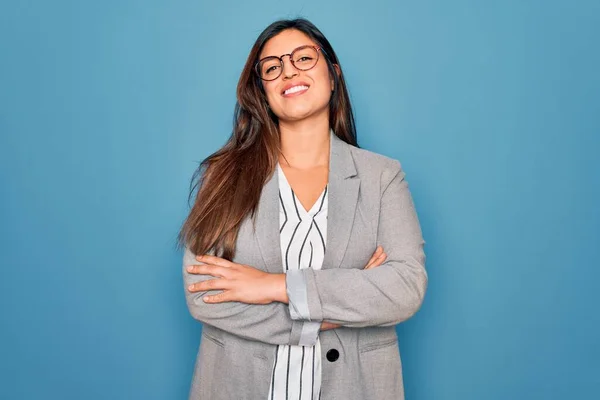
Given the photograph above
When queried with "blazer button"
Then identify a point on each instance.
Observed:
(333, 355)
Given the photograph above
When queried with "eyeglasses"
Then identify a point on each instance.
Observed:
(302, 58)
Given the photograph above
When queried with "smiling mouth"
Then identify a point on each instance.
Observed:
(295, 90)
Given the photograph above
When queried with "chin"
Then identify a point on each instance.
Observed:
(296, 115)
(300, 113)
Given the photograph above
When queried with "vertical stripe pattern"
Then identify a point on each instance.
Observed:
(296, 373)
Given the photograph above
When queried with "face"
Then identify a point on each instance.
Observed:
(294, 104)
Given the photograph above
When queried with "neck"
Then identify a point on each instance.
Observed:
(305, 144)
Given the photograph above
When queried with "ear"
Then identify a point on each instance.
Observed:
(339, 72)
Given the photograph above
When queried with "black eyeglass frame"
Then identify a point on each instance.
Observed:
(280, 58)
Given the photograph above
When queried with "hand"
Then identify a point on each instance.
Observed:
(325, 326)
(239, 282)
(376, 260)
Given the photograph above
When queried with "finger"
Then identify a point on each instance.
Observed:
(208, 259)
(376, 254)
(208, 269)
(219, 297)
(373, 257)
(380, 260)
(210, 284)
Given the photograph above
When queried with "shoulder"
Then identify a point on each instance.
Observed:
(374, 166)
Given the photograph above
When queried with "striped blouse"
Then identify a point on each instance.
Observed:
(303, 234)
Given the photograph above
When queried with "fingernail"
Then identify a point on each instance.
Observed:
(206, 298)
(191, 287)
(190, 268)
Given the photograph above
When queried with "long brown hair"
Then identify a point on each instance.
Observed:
(230, 181)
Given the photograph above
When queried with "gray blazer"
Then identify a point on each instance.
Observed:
(369, 205)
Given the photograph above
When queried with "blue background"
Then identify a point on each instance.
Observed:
(492, 107)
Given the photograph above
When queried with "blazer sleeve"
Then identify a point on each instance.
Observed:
(381, 296)
(268, 323)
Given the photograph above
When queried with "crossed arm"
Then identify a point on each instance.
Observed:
(259, 306)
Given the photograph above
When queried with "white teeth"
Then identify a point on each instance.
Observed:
(295, 89)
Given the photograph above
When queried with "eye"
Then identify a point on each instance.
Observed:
(271, 69)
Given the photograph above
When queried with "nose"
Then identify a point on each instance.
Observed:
(288, 68)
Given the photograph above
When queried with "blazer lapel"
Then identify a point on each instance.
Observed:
(342, 199)
(267, 226)
(342, 192)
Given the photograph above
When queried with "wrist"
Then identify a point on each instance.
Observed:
(279, 288)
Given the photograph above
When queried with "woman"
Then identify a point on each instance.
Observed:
(302, 251)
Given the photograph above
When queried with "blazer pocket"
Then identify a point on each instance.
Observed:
(213, 339)
(378, 345)
(382, 371)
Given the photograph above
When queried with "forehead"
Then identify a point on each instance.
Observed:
(284, 42)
